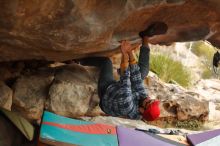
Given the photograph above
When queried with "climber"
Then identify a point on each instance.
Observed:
(127, 97)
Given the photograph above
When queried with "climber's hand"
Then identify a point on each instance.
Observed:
(125, 47)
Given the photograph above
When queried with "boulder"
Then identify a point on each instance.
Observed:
(60, 30)
(5, 96)
(74, 92)
(178, 102)
(30, 93)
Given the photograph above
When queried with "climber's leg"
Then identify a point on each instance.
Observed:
(106, 72)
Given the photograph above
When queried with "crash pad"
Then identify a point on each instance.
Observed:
(208, 138)
(26, 128)
(132, 137)
(58, 130)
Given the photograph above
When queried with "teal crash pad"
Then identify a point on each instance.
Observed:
(58, 130)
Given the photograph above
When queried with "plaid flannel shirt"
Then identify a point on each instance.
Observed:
(122, 97)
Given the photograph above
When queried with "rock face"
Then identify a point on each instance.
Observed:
(30, 93)
(65, 29)
(5, 96)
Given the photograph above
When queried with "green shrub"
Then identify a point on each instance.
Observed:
(189, 124)
(169, 70)
(206, 53)
(200, 49)
(207, 71)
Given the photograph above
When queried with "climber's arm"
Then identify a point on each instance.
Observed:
(125, 46)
